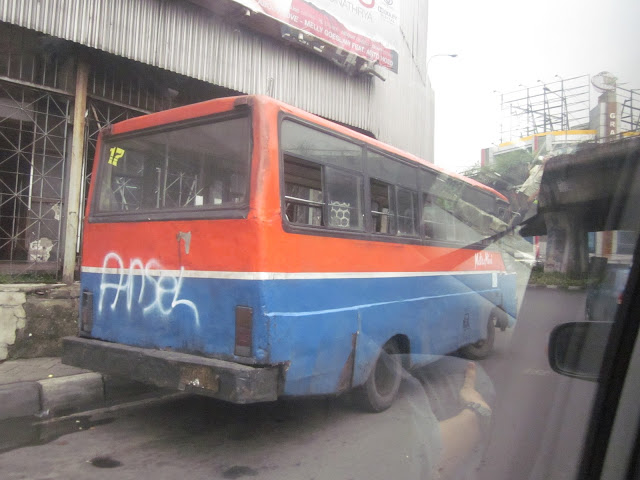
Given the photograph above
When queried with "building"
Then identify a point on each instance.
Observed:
(557, 120)
(70, 68)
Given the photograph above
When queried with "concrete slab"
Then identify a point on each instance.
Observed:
(32, 369)
(19, 399)
(72, 393)
(38, 385)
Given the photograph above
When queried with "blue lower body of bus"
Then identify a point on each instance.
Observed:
(325, 332)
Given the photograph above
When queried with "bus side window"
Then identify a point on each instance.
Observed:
(303, 193)
(344, 196)
(407, 211)
(382, 211)
(433, 219)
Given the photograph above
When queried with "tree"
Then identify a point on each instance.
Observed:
(508, 170)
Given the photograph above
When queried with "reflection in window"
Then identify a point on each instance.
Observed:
(434, 218)
(304, 142)
(449, 220)
(186, 168)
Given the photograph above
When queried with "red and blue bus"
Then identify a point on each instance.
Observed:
(247, 250)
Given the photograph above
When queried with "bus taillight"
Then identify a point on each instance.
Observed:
(244, 331)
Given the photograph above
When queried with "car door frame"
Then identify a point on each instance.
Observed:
(612, 444)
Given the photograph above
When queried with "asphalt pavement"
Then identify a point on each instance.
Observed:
(541, 417)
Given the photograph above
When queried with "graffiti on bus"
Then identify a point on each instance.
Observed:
(153, 289)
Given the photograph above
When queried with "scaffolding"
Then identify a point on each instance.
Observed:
(629, 101)
(560, 105)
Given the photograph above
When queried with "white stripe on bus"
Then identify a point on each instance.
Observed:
(277, 275)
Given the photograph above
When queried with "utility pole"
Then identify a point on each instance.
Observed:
(74, 204)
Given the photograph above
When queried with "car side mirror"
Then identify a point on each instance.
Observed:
(576, 349)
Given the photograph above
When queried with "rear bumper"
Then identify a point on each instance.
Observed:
(220, 379)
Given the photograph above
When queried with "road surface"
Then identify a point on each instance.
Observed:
(539, 424)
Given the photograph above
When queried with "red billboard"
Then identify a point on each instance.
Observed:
(366, 28)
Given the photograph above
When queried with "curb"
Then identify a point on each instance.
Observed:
(20, 399)
(69, 394)
(59, 396)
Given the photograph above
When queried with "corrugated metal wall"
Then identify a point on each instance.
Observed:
(406, 100)
(183, 38)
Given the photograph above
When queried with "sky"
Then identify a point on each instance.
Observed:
(502, 44)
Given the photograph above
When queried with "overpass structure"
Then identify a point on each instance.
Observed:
(591, 190)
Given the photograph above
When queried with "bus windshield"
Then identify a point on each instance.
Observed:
(193, 167)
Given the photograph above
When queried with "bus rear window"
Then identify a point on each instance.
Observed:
(195, 167)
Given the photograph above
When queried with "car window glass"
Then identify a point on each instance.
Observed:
(318, 239)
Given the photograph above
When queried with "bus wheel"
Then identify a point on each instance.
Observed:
(483, 347)
(380, 389)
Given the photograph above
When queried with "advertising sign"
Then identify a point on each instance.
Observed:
(367, 28)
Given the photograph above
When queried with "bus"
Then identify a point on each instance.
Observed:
(247, 250)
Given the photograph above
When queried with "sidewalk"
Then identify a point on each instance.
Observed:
(46, 387)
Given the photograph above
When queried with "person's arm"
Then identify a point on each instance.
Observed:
(461, 434)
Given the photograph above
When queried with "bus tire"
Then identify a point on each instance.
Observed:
(483, 347)
(502, 320)
(380, 389)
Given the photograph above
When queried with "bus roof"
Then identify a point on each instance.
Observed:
(216, 105)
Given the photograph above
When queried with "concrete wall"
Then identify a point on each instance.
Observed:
(34, 318)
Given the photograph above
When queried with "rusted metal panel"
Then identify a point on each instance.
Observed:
(345, 381)
(198, 377)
